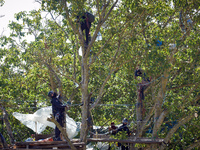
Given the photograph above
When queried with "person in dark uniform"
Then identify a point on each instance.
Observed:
(85, 20)
(124, 128)
(113, 130)
(58, 110)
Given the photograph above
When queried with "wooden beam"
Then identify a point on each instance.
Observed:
(136, 140)
(47, 143)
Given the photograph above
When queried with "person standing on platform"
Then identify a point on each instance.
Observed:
(124, 128)
(58, 110)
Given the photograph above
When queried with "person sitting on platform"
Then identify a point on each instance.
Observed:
(112, 129)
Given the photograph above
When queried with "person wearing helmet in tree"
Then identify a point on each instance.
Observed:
(142, 86)
(123, 128)
(58, 110)
(140, 72)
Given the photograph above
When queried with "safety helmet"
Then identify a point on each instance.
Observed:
(124, 120)
(50, 92)
(138, 72)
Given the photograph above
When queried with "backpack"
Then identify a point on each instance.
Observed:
(90, 17)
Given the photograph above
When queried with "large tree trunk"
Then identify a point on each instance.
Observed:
(138, 114)
(84, 91)
(8, 127)
(158, 106)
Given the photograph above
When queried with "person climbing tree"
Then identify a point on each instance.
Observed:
(58, 110)
(139, 72)
(85, 21)
(142, 86)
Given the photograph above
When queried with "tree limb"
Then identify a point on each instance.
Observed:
(52, 119)
(193, 145)
(146, 120)
(174, 129)
(8, 126)
(104, 83)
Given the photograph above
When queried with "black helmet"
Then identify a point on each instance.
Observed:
(50, 92)
(124, 120)
(138, 72)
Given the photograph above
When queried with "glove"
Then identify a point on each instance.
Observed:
(57, 116)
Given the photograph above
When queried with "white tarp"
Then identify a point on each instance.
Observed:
(39, 119)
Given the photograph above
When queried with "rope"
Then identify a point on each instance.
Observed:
(69, 102)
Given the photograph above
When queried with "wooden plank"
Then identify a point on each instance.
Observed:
(100, 136)
(48, 145)
(40, 143)
(78, 148)
(137, 140)
(42, 149)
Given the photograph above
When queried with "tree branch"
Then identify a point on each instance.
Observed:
(193, 145)
(174, 129)
(104, 83)
(159, 122)
(146, 120)
(184, 85)
(56, 76)
(52, 119)
(9, 129)
(170, 18)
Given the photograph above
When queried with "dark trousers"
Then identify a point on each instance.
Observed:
(123, 147)
(60, 120)
(86, 26)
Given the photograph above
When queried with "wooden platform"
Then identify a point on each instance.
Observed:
(47, 145)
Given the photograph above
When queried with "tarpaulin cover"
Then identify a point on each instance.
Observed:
(39, 119)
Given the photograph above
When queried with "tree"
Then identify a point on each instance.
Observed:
(130, 34)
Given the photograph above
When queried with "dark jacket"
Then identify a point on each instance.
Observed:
(57, 106)
(124, 128)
